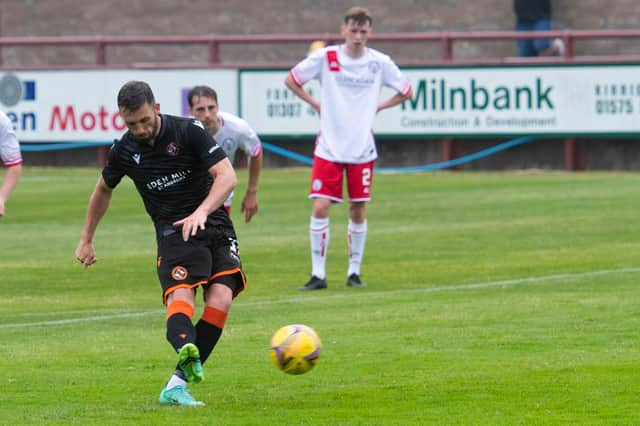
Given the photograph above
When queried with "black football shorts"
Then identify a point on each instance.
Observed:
(211, 256)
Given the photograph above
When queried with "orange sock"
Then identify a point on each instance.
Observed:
(214, 316)
(181, 307)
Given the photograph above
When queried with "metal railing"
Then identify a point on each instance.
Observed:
(213, 43)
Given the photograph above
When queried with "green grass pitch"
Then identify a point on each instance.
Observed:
(493, 298)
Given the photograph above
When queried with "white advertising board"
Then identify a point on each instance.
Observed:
(80, 106)
(472, 101)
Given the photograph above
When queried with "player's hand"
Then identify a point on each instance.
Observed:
(191, 224)
(86, 254)
(249, 205)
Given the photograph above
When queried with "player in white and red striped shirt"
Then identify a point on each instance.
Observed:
(11, 158)
(351, 76)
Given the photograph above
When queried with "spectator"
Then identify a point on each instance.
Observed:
(535, 15)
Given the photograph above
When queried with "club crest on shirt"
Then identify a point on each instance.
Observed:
(172, 149)
(227, 144)
(316, 185)
(374, 67)
(179, 273)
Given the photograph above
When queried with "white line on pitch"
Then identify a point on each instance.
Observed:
(324, 296)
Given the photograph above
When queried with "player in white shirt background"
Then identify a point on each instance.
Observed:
(11, 158)
(351, 77)
(231, 133)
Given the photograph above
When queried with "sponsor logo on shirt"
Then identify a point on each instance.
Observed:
(343, 80)
(164, 182)
(136, 157)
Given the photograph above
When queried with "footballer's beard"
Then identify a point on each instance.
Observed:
(149, 138)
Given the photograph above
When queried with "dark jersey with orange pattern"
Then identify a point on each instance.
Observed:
(172, 176)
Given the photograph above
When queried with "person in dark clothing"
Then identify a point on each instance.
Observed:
(535, 15)
(183, 177)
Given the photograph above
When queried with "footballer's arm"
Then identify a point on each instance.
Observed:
(98, 205)
(395, 100)
(9, 184)
(300, 92)
(249, 204)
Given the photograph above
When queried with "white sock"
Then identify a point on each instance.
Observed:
(357, 237)
(319, 238)
(175, 381)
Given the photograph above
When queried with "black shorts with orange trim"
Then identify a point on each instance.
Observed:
(211, 256)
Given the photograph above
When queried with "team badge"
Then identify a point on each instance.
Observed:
(179, 273)
(227, 144)
(316, 185)
(172, 149)
(374, 67)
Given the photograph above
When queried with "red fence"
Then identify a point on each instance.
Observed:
(447, 42)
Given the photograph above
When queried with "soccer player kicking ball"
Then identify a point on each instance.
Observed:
(183, 178)
(351, 77)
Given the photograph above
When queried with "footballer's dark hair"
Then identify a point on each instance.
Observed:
(134, 94)
(359, 15)
(200, 91)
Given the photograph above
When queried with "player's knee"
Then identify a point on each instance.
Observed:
(357, 212)
(321, 208)
(219, 296)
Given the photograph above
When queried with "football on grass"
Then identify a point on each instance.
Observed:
(295, 348)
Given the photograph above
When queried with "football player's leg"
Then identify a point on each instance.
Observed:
(326, 188)
(227, 282)
(181, 333)
(359, 181)
(182, 267)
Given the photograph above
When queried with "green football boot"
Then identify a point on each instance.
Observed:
(178, 395)
(189, 363)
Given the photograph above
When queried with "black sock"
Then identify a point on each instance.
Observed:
(180, 330)
(207, 336)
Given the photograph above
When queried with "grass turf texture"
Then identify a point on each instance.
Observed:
(493, 298)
